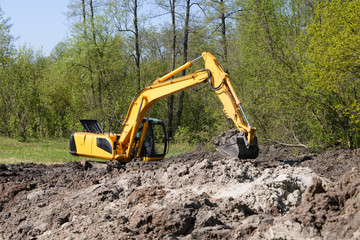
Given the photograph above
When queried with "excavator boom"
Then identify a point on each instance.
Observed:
(138, 131)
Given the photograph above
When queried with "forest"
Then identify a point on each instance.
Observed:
(295, 65)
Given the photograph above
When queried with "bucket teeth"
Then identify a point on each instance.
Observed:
(235, 144)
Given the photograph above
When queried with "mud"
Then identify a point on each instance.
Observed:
(286, 193)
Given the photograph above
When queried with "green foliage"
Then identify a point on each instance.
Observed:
(22, 110)
(293, 63)
(332, 45)
(270, 73)
(6, 40)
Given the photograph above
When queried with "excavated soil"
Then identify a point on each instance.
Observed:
(286, 193)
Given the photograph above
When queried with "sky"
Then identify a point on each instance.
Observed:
(40, 24)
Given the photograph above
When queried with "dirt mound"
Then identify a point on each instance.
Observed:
(332, 164)
(330, 211)
(286, 193)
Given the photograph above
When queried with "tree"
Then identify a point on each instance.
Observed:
(273, 85)
(120, 12)
(332, 45)
(7, 52)
(170, 7)
(185, 59)
(6, 39)
(92, 68)
(219, 14)
(171, 98)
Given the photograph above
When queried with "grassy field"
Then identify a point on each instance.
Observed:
(36, 151)
(51, 151)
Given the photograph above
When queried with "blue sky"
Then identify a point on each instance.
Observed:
(41, 24)
(37, 23)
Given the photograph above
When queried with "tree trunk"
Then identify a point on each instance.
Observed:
(84, 17)
(92, 21)
(90, 71)
(185, 59)
(171, 98)
(223, 31)
(97, 65)
(137, 47)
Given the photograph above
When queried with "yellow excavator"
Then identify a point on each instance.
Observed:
(145, 138)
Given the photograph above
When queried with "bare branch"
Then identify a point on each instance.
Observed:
(287, 144)
(125, 30)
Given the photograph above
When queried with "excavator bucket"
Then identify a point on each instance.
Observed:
(235, 144)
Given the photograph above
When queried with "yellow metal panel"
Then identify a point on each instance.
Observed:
(149, 159)
(101, 153)
(86, 145)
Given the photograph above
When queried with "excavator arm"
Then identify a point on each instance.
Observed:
(128, 145)
(148, 96)
(226, 93)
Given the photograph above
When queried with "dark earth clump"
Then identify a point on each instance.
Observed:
(286, 193)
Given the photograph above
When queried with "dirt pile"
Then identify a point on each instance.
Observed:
(330, 211)
(283, 194)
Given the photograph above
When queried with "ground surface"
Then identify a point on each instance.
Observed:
(286, 193)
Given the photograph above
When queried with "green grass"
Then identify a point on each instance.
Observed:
(37, 151)
(178, 148)
(53, 151)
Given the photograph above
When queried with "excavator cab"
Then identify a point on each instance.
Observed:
(155, 141)
(151, 141)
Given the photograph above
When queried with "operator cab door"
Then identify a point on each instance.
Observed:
(155, 141)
